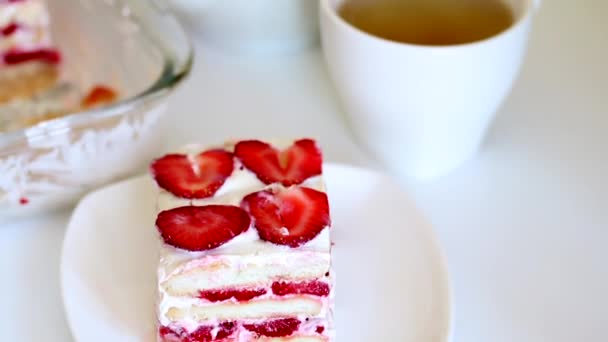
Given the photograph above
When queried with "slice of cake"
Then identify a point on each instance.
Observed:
(28, 61)
(245, 252)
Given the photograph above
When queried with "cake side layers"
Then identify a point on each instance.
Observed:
(292, 306)
(216, 271)
(281, 329)
(283, 299)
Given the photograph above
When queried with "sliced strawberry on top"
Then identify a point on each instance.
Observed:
(197, 177)
(275, 328)
(291, 216)
(294, 165)
(201, 228)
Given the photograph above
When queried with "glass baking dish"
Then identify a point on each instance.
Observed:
(136, 47)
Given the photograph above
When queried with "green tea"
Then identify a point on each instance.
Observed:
(429, 22)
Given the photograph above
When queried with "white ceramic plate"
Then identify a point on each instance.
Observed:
(391, 280)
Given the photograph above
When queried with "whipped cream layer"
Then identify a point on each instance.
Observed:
(256, 269)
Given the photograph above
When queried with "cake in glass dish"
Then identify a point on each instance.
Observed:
(29, 61)
(101, 120)
(245, 248)
(32, 89)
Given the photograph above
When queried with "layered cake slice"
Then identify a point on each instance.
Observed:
(245, 244)
(28, 61)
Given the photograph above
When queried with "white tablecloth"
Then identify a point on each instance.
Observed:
(524, 225)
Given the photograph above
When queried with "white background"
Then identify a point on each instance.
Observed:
(524, 225)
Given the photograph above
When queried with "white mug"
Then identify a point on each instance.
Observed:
(253, 26)
(422, 110)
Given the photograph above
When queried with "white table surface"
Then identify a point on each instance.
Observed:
(524, 225)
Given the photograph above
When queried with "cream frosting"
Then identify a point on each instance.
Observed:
(28, 38)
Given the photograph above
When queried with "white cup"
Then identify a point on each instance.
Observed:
(422, 110)
(253, 26)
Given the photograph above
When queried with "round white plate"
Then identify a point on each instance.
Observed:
(392, 284)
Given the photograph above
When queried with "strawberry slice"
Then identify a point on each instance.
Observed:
(203, 333)
(9, 29)
(50, 56)
(200, 177)
(167, 334)
(291, 166)
(242, 295)
(99, 95)
(314, 287)
(201, 228)
(275, 328)
(291, 216)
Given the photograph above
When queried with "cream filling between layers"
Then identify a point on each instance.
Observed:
(27, 38)
(292, 306)
(221, 271)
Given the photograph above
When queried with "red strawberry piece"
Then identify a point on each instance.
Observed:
(291, 166)
(320, 329)
(275, 328)
(201, 334)
(225, 330)
(99, 95)
(201, 228)
(290, 216)
(200, 177)
(315, 288)
(241, 295)
(205, 333)
(167, 334)
(50, 56)
(9, 29)
(165, 331)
